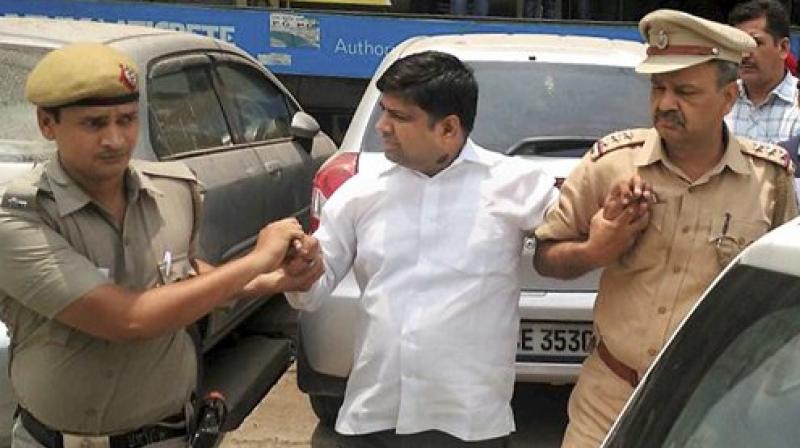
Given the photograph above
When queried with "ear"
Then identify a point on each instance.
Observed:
(730, 93)
(784, 45)
(47, 123)
(450, 127)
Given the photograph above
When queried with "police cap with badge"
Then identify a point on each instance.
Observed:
(78, 74)
(83, 74)
(677, 40)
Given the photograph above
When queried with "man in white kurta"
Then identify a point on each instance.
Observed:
(434, 239)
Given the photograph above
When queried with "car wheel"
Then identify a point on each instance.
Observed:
(326, 407)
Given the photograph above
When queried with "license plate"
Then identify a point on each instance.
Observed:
(538, 339)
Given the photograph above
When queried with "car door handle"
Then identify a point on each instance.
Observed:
(273, 167)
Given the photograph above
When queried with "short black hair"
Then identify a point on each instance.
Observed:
(773, 10)
(727, 72)
(439, 83)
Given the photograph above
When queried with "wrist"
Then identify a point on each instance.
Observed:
(592, 257)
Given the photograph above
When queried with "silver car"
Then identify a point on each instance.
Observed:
(212, 106)
(541, 97)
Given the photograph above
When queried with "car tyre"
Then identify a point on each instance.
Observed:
(326, 407)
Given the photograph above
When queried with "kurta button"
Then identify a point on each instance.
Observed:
(662, 310)
(652, 352)
(685, 229)
(676, 269)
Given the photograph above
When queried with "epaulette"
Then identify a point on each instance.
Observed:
(175, 169)
(769, 152)
(618, 140)
(19, 195)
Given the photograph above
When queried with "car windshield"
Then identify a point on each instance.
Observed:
(20, 139)
(540, 101)
(751, 394)
(740, 386)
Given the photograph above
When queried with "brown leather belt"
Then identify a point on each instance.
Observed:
(621, 369)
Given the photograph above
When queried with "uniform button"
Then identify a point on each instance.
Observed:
(662, 310)
(676, 269)
(685, 229)
(652, 352)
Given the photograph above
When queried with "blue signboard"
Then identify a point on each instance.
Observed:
(298, 42)
(292, 42)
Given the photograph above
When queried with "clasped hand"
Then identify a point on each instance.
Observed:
(625, 215)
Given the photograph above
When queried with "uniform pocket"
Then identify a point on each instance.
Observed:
(58, 334)
(729, 236)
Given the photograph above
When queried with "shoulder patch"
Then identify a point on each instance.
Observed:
(769, 152)
(618, 140)
(19, 196)
(177, 170)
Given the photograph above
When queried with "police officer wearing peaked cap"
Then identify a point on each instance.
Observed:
(92, 245)
(661, 210)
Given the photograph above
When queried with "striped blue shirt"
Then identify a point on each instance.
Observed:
(776, 120)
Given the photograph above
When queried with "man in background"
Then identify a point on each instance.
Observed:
(767, 106)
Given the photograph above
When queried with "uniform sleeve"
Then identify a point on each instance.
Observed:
(337, 239)
(39, 268)
(785, 200)
(578, 201)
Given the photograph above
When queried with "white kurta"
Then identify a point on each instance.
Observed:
(437, 262)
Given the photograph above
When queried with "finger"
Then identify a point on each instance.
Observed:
(612, 208)
(635, 186)
(625, 193)
(614, 203)
(641, 222)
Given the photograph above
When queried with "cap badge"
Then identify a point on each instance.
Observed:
(662, 40)
(127, 76)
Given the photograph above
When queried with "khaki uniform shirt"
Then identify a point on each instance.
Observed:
(56, 245)
(694, 231)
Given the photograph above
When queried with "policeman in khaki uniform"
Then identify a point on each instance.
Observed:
(91, 247)
(662, 210)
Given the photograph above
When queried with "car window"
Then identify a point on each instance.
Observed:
(518, 100)
(185, 114)
(750, 395)
(259, 108)
(731, 376)
(20, 139)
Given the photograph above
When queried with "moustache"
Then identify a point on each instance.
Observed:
(672, 116)
(111, 154)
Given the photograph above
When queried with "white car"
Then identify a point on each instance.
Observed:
(541, 97)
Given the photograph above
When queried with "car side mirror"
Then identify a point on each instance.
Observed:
(304, 126)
